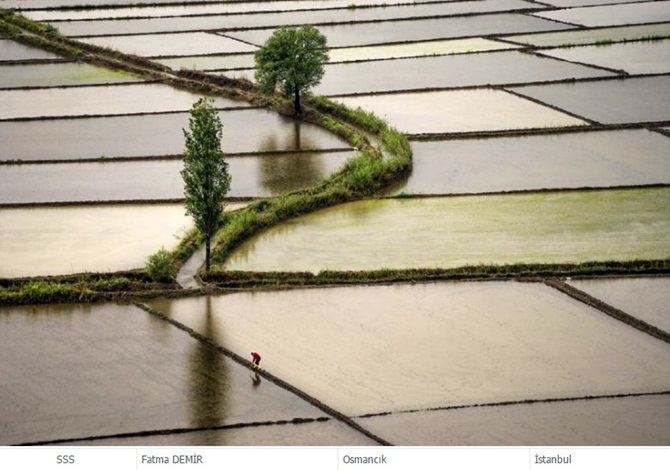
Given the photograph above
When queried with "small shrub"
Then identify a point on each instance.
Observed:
(160, 267)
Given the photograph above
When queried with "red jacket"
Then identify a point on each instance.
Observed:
(255, 355)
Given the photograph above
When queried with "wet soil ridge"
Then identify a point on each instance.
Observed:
(267, 375)
(608, 309)
(530, 401)
(174, 431)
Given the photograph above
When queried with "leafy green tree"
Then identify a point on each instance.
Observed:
(205, 172)
(292, 60)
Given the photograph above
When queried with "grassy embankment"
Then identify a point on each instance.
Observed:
(385, 156)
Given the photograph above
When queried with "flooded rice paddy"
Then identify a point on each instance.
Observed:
(608, 15)
(461, 111)
(464, 70)
(571, 160)
(154, 45)
(286, 18)
(13, 51)
(363, 34)
(96, 370)
(440, 358)
(593, 36)
(446, 232)
(647, 299)
(65, 240)
(626, 421)
(644, 99)
(252, 176)
(100, 100)
(408, 347)
(155, 135)
(633, 58)
(281, 6)
(59, 74)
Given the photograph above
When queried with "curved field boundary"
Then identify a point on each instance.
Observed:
(267, 375)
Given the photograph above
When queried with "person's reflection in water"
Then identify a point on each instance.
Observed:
(255, 380)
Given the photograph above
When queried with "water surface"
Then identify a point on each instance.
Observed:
(634, 58)
(361, 34)
(72, 371)
(154, 45)
(463, 70)
(286, 18)
(155, 180)
(645, 298)
(100, 100)
(552, 227)
(156, 135)
(631, 100)
(11, 50)
(372, 349)
(609, 15)
(593, 36)
(629, 421)
(60, 74)
(460, 111)
(66, 240)
(581, 159)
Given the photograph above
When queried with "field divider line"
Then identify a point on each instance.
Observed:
(530, 401)
(175, 431)
(267, 375)
(613, 312)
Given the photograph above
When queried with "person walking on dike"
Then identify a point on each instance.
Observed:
(256, 360)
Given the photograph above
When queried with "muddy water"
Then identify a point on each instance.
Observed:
(416, 346)
(579, 3)
(10, 50)
(65, 240)
(153, 45)
(631, 421)
(61, 74)
(287, 18)
(100, 100)
(155, 135)
(609, 15)
(611, 102)
(645, 298)
(583, 159)
(635, 58)
(592, 36)
(329, 433)
(553, 227)
(460, 111)
(464, 70)
(418, 30)
(73, 371)
(145, 180)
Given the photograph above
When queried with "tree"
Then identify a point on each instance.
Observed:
(205, 172)
(292, 60)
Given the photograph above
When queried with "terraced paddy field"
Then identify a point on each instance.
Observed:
(447, 232)
(514, 108)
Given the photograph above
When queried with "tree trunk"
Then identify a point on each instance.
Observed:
(296, 100)
(207, 253)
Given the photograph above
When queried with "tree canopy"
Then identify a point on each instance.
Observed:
(292, 60)
(205, 172)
